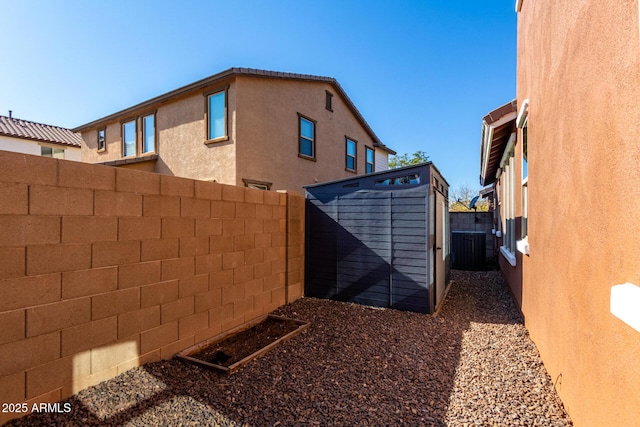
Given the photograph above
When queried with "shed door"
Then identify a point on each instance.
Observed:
(439, 255)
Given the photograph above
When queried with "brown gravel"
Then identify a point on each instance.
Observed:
(472, 364)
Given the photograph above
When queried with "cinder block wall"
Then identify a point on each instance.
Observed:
(466, 221)
(103, 269)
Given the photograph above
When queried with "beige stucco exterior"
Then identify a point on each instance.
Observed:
(579, 67)
(262, 127)
(267, 129)
(27, 146)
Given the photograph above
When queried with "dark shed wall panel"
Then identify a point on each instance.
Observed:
(360, 224)
(369, 243)
(321, 247)
(409, 285)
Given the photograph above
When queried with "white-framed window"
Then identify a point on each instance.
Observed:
(522, 122)
(149, 134)
(369, 160)
(508, 201)
(217, 116)
(306, 137)
(257, 185)
(350, 155)
(56, 153)
(102, 139)
(129, 138)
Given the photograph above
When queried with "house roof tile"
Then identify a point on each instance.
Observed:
(24, 129)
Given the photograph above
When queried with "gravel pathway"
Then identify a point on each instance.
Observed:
(472, 364)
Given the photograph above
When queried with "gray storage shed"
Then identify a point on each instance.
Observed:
(380, 239)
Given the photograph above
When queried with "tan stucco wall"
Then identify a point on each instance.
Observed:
(267, 126)
(263, 135)
(181, 127)
(113, 140)
(27, 146)
(579, 65)
(180, 144)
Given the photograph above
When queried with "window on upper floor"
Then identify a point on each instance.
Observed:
(149, 134)
(57, 153)
(351, 155)
(306, 137)
(217, 116)
(129, 138)
(102, 146)
(328, 101)
(369, 160)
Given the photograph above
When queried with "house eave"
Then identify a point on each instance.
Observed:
(497, 127)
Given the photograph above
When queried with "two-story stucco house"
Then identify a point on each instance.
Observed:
(38, 139)
(245, 127)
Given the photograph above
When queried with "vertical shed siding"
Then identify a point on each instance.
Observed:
(409, 230)
(373, 244)
(363, 251)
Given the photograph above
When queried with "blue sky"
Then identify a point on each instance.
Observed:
(422, 73)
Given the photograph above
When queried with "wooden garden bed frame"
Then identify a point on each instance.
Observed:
(186, 354)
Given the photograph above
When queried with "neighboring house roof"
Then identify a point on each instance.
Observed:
(24, 129)
(497, 127)
(232, 72)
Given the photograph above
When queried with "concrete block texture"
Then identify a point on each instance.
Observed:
(175, 186)
(112, 203)
(14, 199)
(133, 181)
(23, 230)
(103, 269)
(58, 315)
(51, 200)
(26, 292)
(53, 258)
(208, 190)
(23, 168)
(13, 326)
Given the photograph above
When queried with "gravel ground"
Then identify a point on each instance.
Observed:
(472, 364)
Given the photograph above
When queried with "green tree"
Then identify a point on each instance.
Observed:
(400, 160)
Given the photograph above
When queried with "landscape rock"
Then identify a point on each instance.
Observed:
(471, 365)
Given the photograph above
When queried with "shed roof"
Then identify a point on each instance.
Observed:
(389, 172)
(497, 127)
(247, 72)
(24, 129)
